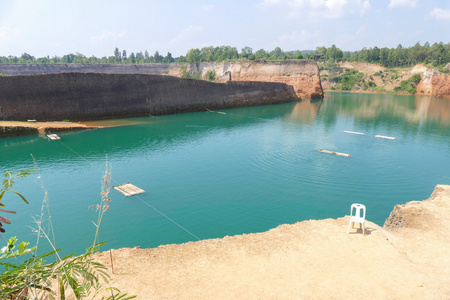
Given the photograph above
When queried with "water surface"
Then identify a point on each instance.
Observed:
(211, 174)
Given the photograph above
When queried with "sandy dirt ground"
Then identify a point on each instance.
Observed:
(317, 259)
(44, 127)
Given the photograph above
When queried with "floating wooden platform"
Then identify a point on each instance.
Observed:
(53, 137)
(128, 189)
(385, 137)
(353, 132)
(335, 153)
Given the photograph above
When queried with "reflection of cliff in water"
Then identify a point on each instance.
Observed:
(304, 111)
(142, 133)
(414, 111)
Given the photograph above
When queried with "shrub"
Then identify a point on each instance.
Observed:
(211, 75)
(408, 86)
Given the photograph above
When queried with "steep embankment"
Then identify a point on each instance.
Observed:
(302, 75)
(81, 96)
(377, 79)
(315, 259)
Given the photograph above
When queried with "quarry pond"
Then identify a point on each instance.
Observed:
(216, 173)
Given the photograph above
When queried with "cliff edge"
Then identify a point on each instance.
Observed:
(315, 259)
(302, 75)
(90, 96)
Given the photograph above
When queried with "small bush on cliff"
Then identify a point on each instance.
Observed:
(211, 75)
(409, 86)
(349, 79)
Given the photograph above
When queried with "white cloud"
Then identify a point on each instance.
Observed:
(405, 3)
(108, 35)
(440, 14)
(7, 33)
(314, 9)
(187, 33)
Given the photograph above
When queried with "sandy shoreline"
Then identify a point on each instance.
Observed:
(317, 259)
(40, 127)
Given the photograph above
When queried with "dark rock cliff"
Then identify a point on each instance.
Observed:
(82, 96)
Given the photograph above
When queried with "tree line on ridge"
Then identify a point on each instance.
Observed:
(436, 55)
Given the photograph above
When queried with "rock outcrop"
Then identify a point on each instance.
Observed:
(440, 86)
(88, 96)
(302, 75)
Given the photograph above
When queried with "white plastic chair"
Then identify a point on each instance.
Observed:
(359, 216)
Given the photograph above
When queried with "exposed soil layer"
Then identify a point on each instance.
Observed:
(302, 75)
(13, 128)
(315, 259)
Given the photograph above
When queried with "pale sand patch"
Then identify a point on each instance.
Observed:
(44, 127)
(307, 260)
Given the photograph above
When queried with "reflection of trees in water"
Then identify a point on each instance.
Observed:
(413, 111)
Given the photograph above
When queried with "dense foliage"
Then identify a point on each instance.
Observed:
(436, 55)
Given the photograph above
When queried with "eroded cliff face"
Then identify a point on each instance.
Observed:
(302, 75)
(88, 96)
(440, 86)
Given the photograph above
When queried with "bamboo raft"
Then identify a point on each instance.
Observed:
(353, 132)
(53, 137)
(128, 189)
(385, 137)
(335, 153)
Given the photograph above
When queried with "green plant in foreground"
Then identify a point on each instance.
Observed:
(7, 184)
(33, 278)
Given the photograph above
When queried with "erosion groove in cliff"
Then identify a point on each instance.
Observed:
(302, 75)
(81, 96)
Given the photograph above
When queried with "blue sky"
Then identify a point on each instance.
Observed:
(96, 27)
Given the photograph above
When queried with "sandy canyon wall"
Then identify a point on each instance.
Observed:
(81, 96)
(436, 85)
(433, 83)
(302, 75)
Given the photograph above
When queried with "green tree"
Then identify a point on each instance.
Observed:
(132, 58)
(193, 56)
(168, 58)
(246, 52)
(117, 55)
(157, 57)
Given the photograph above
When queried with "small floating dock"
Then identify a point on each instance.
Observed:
(129, 190)
(385, 137)
(353, 132)
(53, 137)
(335, 153)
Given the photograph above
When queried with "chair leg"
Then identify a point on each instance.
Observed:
(349, 225)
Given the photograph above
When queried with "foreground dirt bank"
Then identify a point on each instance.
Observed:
(315, 259)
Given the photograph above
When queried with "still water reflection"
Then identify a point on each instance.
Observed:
(244, 170)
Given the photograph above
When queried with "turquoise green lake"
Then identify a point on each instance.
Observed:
(210, 174)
